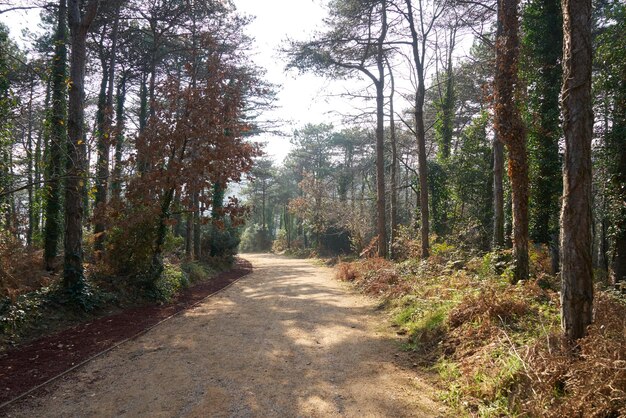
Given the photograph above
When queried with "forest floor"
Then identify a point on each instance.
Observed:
(286, 340)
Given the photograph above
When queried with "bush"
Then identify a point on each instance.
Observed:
(21, 267)
(171, 281)
(222, 240)
(255, 239)
(280, 243)
(590, 383)
(406, 246)
(196, 271)
(129, 247)
(374, 276)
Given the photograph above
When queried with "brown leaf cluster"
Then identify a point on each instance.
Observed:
(586, 381)
(374, 276)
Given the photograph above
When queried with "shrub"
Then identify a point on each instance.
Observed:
(406, 246)
(170, 282)
(20, 267)
(222, 240)
(196, 271)
(255, 239)
(129, 246)
(25, 308)
(590, 382)
(346, 272)
(374, 276)
(280, 244)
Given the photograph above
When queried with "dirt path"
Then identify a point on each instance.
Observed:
(285, 341)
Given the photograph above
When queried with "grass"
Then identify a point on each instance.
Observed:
(497, 346)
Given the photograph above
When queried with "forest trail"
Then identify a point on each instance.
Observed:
(285, 341)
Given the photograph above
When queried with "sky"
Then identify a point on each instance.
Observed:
(301, 98)
(307, 98)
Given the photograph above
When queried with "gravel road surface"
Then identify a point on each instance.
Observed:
(285, 341)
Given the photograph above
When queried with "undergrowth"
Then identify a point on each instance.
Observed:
(496, 346)
(46, 309)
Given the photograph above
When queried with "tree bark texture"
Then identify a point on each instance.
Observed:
(510, 130)
(576, 102)
(120, 120)
(102, 150)
(197, 232)
(394, 168)
(73, 277)
(58, 141)
(498, 193)
(381, 223)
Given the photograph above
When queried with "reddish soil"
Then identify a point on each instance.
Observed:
(30, 365)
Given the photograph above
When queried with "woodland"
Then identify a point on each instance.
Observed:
(488, 215)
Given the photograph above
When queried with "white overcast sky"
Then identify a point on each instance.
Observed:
(302, 98)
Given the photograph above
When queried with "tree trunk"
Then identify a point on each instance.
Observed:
(420, 132)
(37, 171)
(177, 229)
(381, 223)
(422, 170)
(11, 217)
(394, 169)
(498, 193)
(618, 144)
(73, 277)
(143, 103)
(156, 267)
(189, 232)
(197, 233)
(263, 224)
(116, 183)
(102, 151)
(143, 120)
(29, 156)
(104, 142)
(576, 105)
(58, 141)
(510, 130)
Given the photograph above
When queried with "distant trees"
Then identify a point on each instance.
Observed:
(322, 198)
(355, 43)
